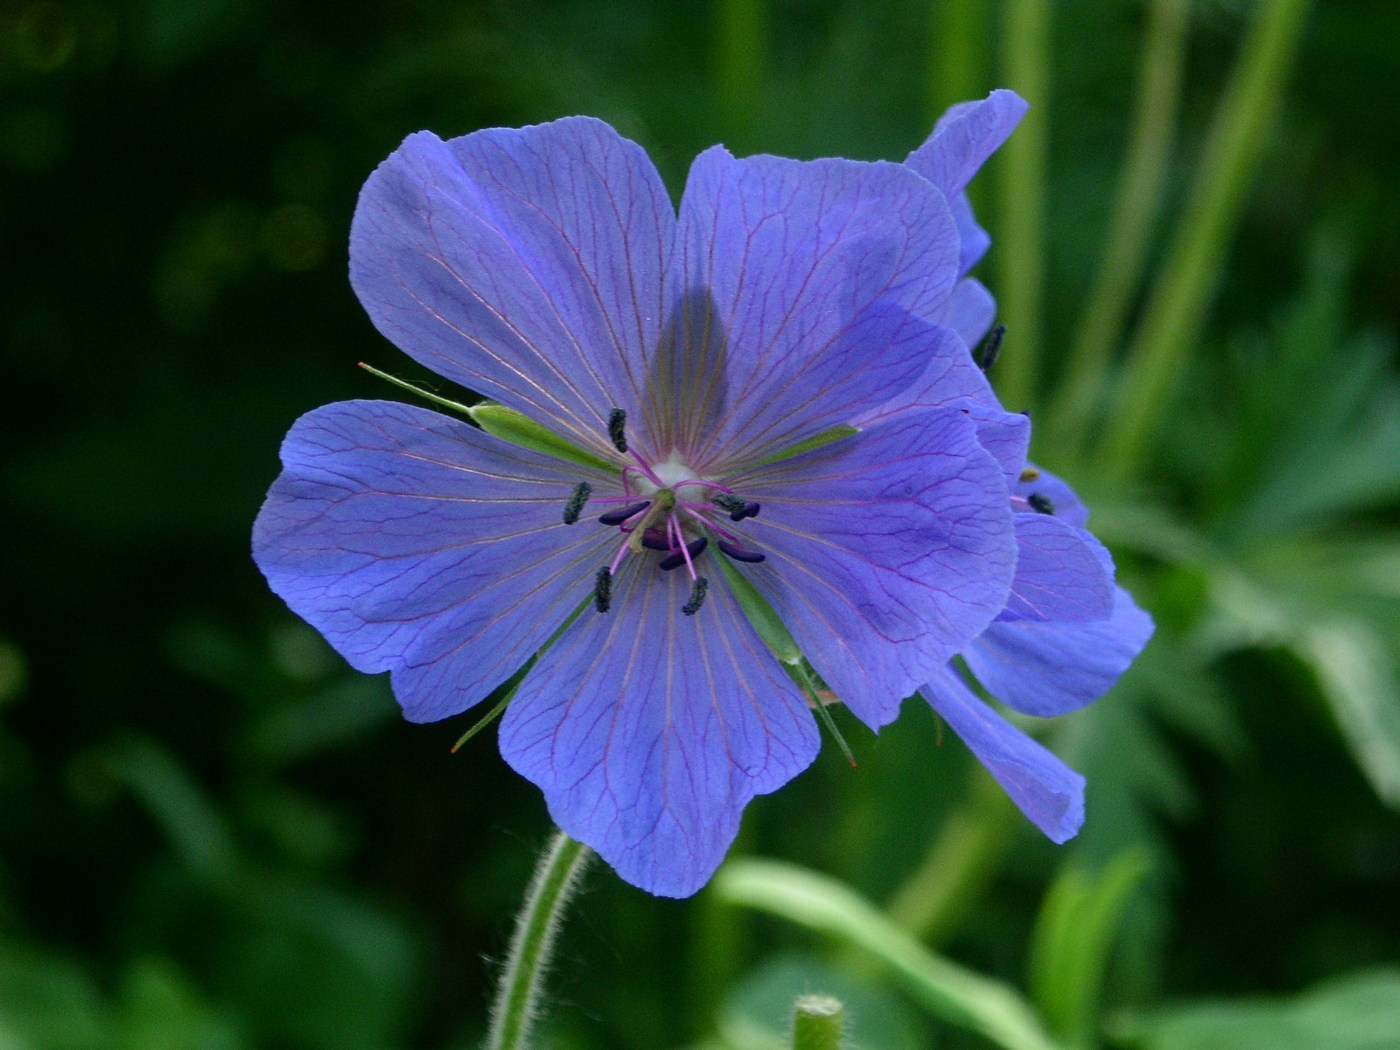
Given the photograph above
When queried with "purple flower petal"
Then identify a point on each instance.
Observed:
(1062, 573)
(796, 258)
(960, 144)
(952, 380)
(965, 137)
(649, 731)
(1067, 505)
(418, 543)
(1053, 668)
(973, 240)
(971, 311)
(1047, 791)
(887, 552)
(524, 264)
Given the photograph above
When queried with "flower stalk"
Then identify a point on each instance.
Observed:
(516, 1005)
(1177, 308)
(817, 1023)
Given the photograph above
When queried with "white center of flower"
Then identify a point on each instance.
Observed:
(670, 472)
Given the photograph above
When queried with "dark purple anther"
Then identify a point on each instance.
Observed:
(739, 553)
(617, 517)
(655, 541)
(750, 510)
(675, 561)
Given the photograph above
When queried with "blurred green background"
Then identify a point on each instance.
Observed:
(213, 834)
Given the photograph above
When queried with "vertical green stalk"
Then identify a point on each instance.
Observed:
(740, 35)
(517, 1001)
(817, 1023)
(1129, 231)
(1020, 189)
(958, 54)
(1179, 301)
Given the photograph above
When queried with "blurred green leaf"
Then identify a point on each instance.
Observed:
(47, 1002)
(1359, 681)
(1360, 1011)
(160, 1009)
(194, 826)
(951, 992)
(1073, 943)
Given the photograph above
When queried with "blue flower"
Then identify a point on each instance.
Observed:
(692, 359)
(1067, 632)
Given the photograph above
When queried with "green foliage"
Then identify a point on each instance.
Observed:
(1360, 1011)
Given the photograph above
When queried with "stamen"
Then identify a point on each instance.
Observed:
(1040, 504)
(750, 510)
(574, 507)
(662, 505)
(652, 542)
(698, 589)
(617, 517)
(739, 553)
(1030, 474)
(617, 558)
(730, 502)
(602, 589)
(617, 422)
(986, 355)
(684, 556)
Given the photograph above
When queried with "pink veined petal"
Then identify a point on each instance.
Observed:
(965, 137)
(887, 552)
(527, 265)
(1052, 668)
(1062, 573)
(649, 731)
(417, 543)
(805, 266)
(951, 380)
(1047, 791)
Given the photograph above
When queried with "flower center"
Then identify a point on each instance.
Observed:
(668, 508)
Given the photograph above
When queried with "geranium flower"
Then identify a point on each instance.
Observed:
(705, 366)
(1068, 632)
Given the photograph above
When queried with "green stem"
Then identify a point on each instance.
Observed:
(958, 55)
(516, 1006)
(740, 38)
(1129, 231)
(817, 1023)
(1020, 213)
(1179, 301)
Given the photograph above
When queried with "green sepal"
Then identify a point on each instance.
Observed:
(826, 437)
(506, 424)
(764, 619)
(761, 615)
(520, 429)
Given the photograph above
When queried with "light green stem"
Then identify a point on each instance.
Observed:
(516, 1006)
(958, 55)
(817, 1023)
(1020, 213)
(1179, 301)
(1129, 231)
(740, 38)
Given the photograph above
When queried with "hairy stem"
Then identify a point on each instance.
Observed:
(517, 1002)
